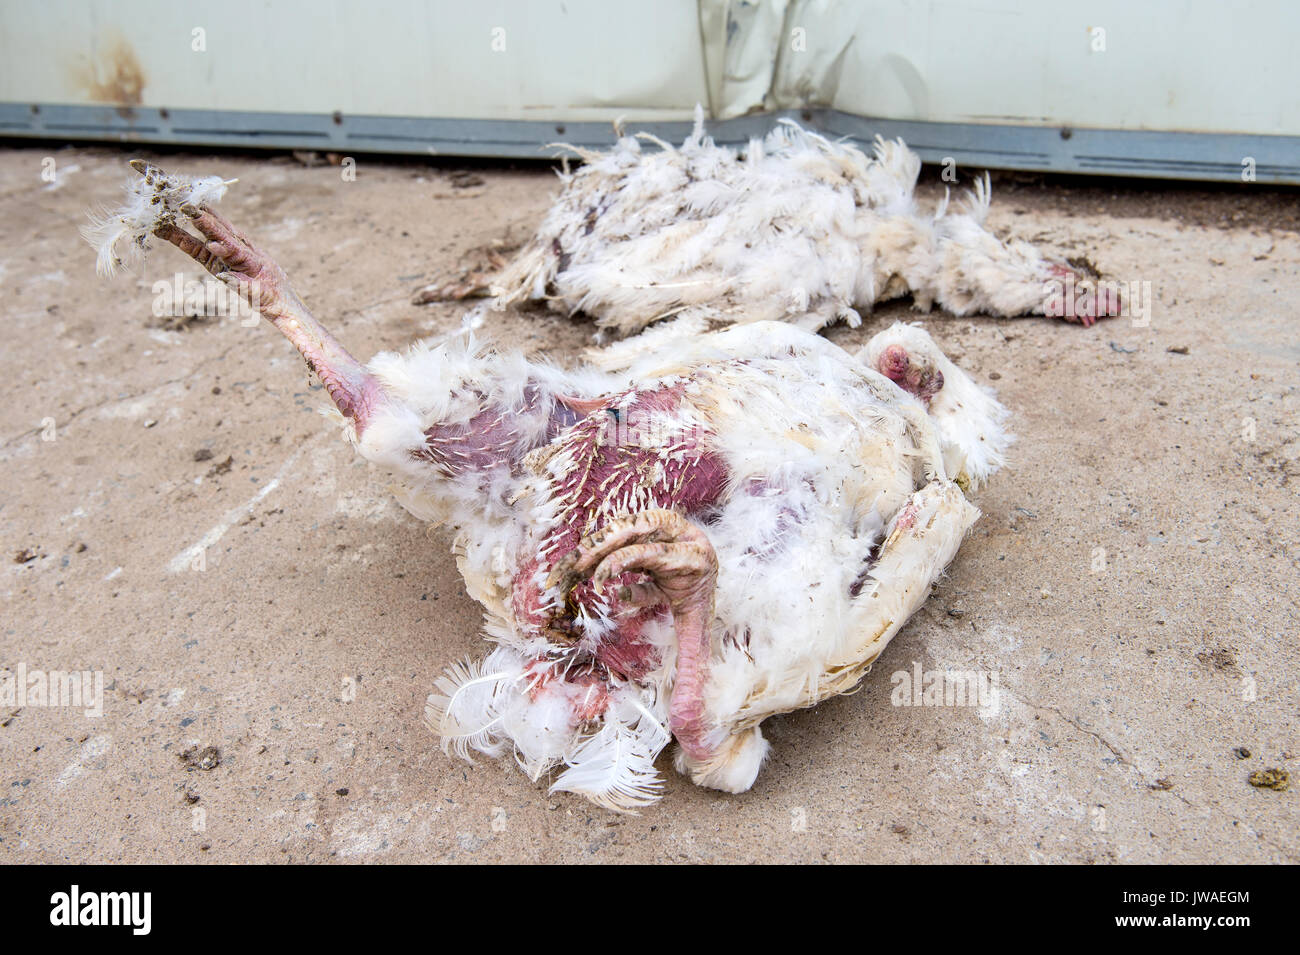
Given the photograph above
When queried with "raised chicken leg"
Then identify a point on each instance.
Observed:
(229, 255)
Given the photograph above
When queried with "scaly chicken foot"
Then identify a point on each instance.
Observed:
(228, 254)
(1080, 297)
(680, 561)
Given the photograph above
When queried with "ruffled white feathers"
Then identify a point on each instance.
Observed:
(153, 199)
(614, 768)
(506, 702)
(795, 228)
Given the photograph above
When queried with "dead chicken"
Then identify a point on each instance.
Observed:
(796, 228)
(724, 529)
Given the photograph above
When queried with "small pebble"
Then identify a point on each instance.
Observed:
(1271, 778)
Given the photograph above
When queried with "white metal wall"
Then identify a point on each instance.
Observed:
(496, 59)
(1189, 65)
(1182, 88)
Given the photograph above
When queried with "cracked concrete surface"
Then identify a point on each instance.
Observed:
(1132, 581)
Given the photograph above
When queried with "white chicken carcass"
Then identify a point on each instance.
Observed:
(726, 529)
(797, 229)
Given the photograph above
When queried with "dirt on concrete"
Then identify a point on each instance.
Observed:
(268, 621)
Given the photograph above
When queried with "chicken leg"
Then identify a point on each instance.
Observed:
(229, 255)
(680, 561)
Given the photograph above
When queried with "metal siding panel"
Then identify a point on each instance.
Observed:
(1005, 85)
(562, 59)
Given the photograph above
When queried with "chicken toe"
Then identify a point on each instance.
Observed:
(678, 558)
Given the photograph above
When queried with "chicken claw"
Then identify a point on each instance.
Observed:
(232, 257)
(680, 561)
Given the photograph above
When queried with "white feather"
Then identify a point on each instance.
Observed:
(121, 235)
(466, 712)
(614, 768)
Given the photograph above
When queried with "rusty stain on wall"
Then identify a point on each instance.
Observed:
(112, 75)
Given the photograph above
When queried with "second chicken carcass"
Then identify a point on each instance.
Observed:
(796, 228)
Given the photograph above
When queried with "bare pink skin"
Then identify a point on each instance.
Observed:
(1086, 300)
(683, 570)
(896, 365)
(639, 567)
(648, 565)
(906, 517)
